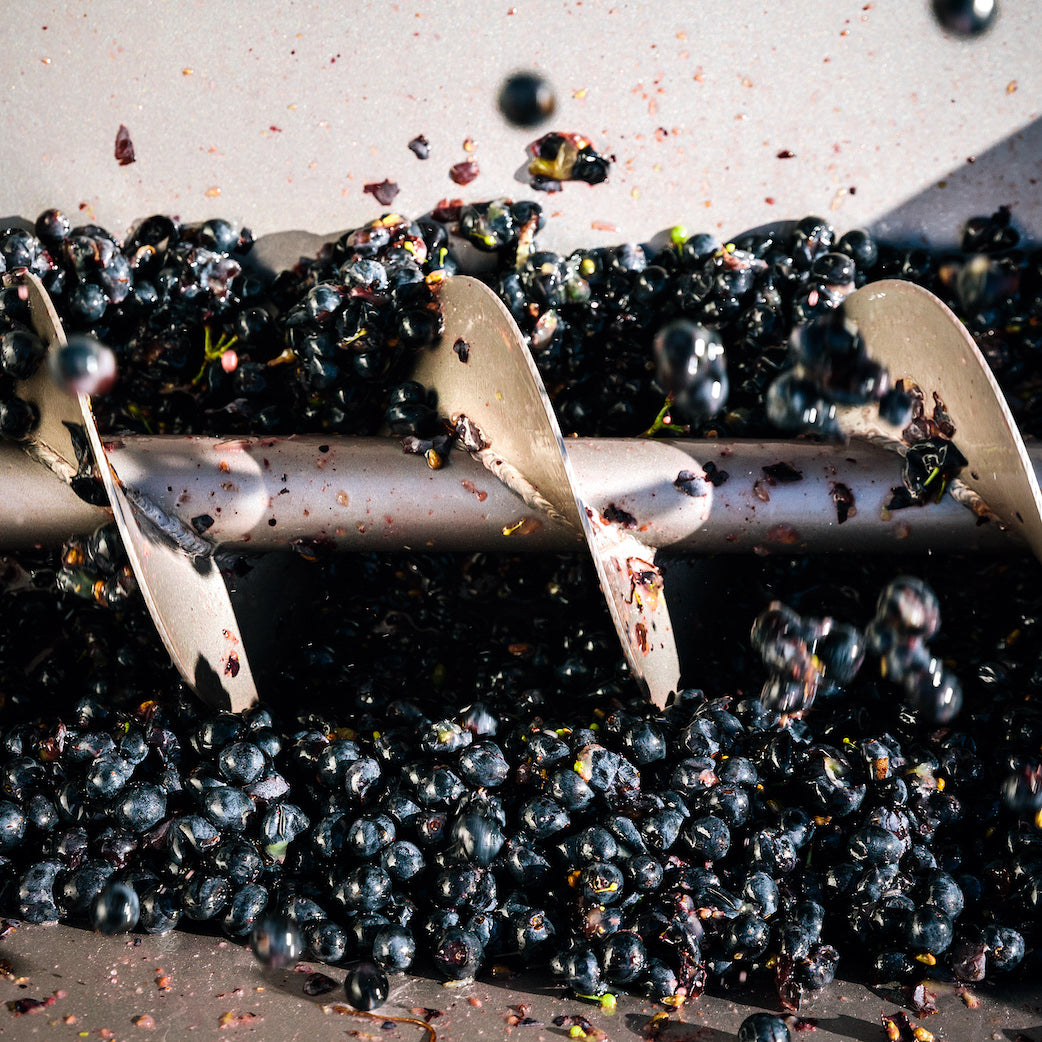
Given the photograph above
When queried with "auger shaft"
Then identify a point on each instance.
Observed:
(322, 493)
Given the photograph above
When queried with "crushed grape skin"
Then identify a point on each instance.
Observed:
(124, 149)
(465, 172)
(384, 192)
(420, 147)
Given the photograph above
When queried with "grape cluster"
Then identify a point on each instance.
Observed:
(809, 658)
(20, 354)
(806, 657)
(97, 567)
(662, 853)
(830, 369)
(907, 616)
(207, 345)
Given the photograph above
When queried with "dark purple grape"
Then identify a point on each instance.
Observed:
(366, 986)
(458, 954)
(763, 1027)
(394, 948)
(860, 247)
(204, 897)
(623, 957)
(483, 765)
(242, 762)
(965, 17)
(526, 99)
(817, 969)
(794, 403)
(841, 650)
(478, 836)
(369, 834)
(12, 826)
(909, 606)
(402, 860)
(707, 838)
(21, 352)
(52, 227)
(325, 940)
(812, 237)
(365, 888)
(929, 931)
(140, 806)
(834, 269)
(580, 969)
(87, 302)
(36, 902)
(115, 910)
(1005, 947)
(934, 693)
(227, 807)
(160, 910)
(247, 906)
(276, 943)
(690, 364)
(106, 777)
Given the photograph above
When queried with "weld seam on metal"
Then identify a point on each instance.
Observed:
(56, 463)
(967, 497)
(514, 480)
(169, 525)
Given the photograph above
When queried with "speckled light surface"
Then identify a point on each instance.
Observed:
(206, 989)
(278, 113)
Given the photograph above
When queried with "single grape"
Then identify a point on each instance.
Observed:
(83, 366)
(763, 1027)
(276, 943)
(526, 99)
(910, 607)
(965, 17)
(366, 986)
(691, 366)
(115, 909)
(934, 693)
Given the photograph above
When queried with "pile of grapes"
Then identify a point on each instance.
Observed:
(455, 768)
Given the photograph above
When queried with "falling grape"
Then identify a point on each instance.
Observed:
(276, 942)
(526, 99)
(965, 17)
(366, 986)
(691, 366)
(83, 366)
(115, 909)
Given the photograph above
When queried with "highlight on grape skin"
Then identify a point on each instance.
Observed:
(84, 365)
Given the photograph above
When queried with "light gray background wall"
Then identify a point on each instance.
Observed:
(277, 113)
